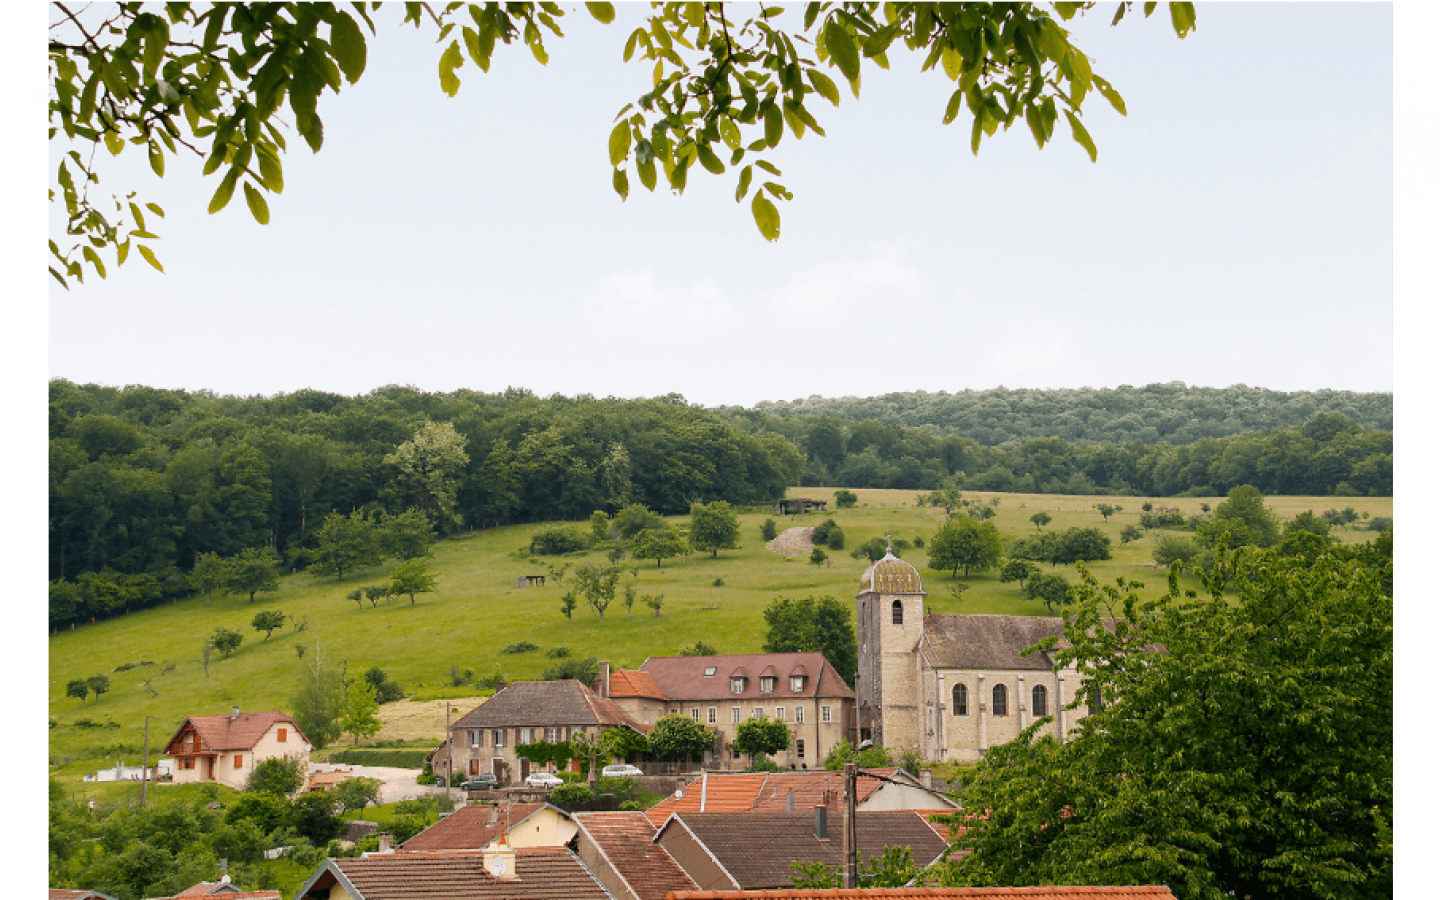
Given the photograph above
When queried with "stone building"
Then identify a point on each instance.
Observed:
(952, 686)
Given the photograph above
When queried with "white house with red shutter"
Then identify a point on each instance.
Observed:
(226, 749)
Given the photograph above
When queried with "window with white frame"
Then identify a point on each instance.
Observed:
(734, 714)
(779, 713)
(695, 714)
(757, 713)
(797, 683)
(825, 714)
(737, 685)
(527, 735)
(799, 715)
(710, 716)
(767, 684)
(497, 737)
(474, 737)
(552, 735)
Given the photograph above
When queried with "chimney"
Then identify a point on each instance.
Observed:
(384, 839)
(927, 778)
(604, 678)
(790, 800)
(234, 713)
(822, 830)
(494, 813)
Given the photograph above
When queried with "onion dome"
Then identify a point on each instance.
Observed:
(891, 575)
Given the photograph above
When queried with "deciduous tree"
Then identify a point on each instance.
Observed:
(811, 625)
(412, 577)
(226, 641)
(965, 543)
(361, 714)
(278, 775)
(714, 527)
(658, 544)
(1041, 519)
(721, 95)
(761, 737)
(430, 465)
(677, 736)
(256, 569)
(267, 621)
(598, 585)
(346, 543)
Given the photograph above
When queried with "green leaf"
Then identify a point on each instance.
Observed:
(646, 169)
(843, 52)
(1109, 93)
(450, 60)
(258, 207)
(823, 86)
(113, 143)
(94, 258)
(952, 109)
(708, 159)
(767, 166)
(619, 143)
(157, 160)
(149, 257)
(1082, 137)
(122, 252)
(951, 60)
(1037, 128)
(603, 12)
(621, 183)
(767, 217)
(774, 125)
(348, 43)
(743, 186)
(223, 193)
(271, 175)
(730, 133)
(1182, 17)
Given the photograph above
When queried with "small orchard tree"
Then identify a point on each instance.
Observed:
(99, 684)
(1054, 590)
(271, 619)
(1107, 510)
(599, 526)
(658, 544)
(412, 577)
(254, 570)
(567, 604)
(1018, 570)
(761, 736)
(598, 586)
(1130, 533)
(1041, 519)
(360, 716)
(818, 556)
(377, 592)
(78, 687)
(654, 601)
(226, 641)
(358, 595)
(714, 527)
(211, 571)
(965, 543)
(357, 793)
(767, 530)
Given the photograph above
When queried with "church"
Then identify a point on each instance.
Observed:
(951, 686)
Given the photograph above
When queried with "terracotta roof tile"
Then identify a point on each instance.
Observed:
(223, 732)
(756, 849)
(543, 873)
(764, 792)
(65, 894)
(626, 839)
(469, 827)
(683, 677)
(542, 703)
(635, 683)
(1056, 892)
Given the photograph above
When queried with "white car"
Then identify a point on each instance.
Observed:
(542, 780)
(620, 770)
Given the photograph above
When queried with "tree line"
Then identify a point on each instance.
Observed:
(1173, 413)
(1330, 454)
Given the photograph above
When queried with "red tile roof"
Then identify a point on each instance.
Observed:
(64, 894)
(627, 841)
(683, 677)
(764, 792)
(543, 873)
(1056, 892)
(635, 683)
(222, 733)
(469, 827)
(221, 889)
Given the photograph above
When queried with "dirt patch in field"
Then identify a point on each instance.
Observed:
(423, 720)
(793, 542)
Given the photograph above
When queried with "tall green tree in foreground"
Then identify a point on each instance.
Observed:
(1251, 757)
(812, 625)
(221, 86)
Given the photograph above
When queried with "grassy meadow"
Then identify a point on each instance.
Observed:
(153, 657)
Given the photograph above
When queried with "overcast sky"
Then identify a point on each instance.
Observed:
(1236, 229)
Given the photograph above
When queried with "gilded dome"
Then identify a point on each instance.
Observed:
(891, 575)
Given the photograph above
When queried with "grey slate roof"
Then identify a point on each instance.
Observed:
(988, 642)
(542, 703)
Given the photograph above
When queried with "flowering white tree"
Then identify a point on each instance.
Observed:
(430, 465)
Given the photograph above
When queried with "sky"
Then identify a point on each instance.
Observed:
(1237, 228)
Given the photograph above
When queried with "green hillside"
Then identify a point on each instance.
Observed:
(153, 657)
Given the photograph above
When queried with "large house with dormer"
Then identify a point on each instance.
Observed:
(226, 749)
(800, 689)
(952, 686)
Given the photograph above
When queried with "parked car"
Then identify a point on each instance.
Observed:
(542, 780)
(621, 770)
(483, 782)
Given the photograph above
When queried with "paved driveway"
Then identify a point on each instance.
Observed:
(395, 784)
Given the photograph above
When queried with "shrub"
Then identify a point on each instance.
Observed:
(845, 499)
(767, 530)
(829, 534)
(1175, 548)
(567, 796)
(634, 519)
(818, 556)
(556, 539)
(1381, 523)
(582, 670)
(519, 647)
(558, 652)
(718, 582)
(277, 775)
(1129, 533)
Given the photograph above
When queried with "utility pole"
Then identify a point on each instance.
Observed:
(145, 764)
(848, 832)
(450, 750)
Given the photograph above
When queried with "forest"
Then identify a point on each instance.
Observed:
(145, 483)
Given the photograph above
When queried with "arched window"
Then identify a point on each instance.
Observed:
(1037, 701)
(959, 700)
(897, 613)
(997, 700)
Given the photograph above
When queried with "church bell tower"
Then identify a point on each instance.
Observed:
(890, 618)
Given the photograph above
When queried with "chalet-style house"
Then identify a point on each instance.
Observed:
(525, 712)
(499, 872)
(226, 749)
(952, 686)
(770, 792)
(478, 826)
(801, 689)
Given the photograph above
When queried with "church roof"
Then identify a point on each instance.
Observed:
(891, 575)
(987, 642)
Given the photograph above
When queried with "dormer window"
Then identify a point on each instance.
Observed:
(797, 683)
(767, 684)
(737, 685)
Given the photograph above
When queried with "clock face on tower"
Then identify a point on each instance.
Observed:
(497, 867)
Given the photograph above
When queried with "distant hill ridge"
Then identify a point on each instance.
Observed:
(1172, 413)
